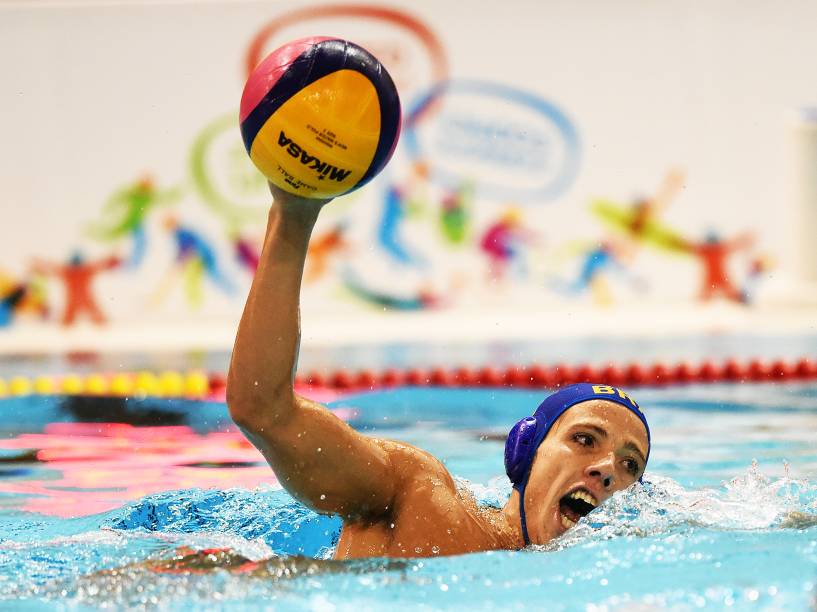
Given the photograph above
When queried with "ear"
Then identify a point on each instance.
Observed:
(519, 449)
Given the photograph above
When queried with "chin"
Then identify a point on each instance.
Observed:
(551, 526)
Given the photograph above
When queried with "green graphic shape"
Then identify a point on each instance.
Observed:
(224, 176)
(126, 209)
(621, 218)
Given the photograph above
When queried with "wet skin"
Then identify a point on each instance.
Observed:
(597, 447)
(397, 500)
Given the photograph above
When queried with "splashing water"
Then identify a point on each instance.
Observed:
(268, 526)
(706, 532)
(752, 501)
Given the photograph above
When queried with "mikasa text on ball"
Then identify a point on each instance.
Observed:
(320, 117)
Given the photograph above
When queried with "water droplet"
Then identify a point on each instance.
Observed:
(435, 550)
(323, 496)
(752, 595)
(418, 550)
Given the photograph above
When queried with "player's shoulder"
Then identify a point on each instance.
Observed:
(412, 464)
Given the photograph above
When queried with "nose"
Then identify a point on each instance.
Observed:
(603, 471)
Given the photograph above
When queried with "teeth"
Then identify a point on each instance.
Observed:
(584, 496)
(566, 522)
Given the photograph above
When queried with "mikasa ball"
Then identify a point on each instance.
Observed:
(320, 117)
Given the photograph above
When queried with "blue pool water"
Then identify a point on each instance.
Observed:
(726, 518)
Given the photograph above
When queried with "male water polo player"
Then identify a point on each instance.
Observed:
(582, 444)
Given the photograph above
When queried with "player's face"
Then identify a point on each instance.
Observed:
(593, 450)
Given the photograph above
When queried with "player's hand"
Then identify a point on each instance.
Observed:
(287, 200)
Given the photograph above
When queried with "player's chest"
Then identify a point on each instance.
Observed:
(415, 532)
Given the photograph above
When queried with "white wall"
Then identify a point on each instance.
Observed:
(93, 95)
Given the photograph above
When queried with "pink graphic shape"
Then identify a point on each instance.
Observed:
(266, 74)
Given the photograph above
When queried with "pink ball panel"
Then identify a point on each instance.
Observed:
(267, 73)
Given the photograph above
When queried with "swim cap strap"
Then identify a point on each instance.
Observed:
(522, 521)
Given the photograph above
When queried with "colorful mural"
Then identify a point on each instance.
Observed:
(77, 276)
(463, 209)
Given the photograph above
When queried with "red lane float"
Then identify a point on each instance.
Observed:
(538, 376)
(200, 385)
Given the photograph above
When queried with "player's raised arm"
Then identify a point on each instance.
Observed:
(317, 457)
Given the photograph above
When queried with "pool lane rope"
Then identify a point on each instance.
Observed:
(199, 385)
(169, 384)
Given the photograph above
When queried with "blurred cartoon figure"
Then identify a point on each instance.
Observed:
(455, 215)
(758, 267)
(640, 221)
(77, 277)
(9, 300)
(18, 297)
(35, 300)
(503, 243)
(598, 262)
(399, 202)
(195, 258)
(647, 210)
(713, 254)
(125, 212)
(423, 298)
(321, 249)
(247, 251)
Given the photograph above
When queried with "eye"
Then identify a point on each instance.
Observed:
(631, 465)
(584, 439)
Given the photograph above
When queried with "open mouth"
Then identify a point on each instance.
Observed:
(575, 505)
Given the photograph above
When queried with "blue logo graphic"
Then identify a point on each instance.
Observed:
(509, 143)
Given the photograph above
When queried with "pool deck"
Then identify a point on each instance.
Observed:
(524, 324)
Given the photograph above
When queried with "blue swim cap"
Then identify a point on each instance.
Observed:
(526, 436)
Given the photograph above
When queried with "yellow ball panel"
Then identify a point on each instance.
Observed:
(321, 142)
